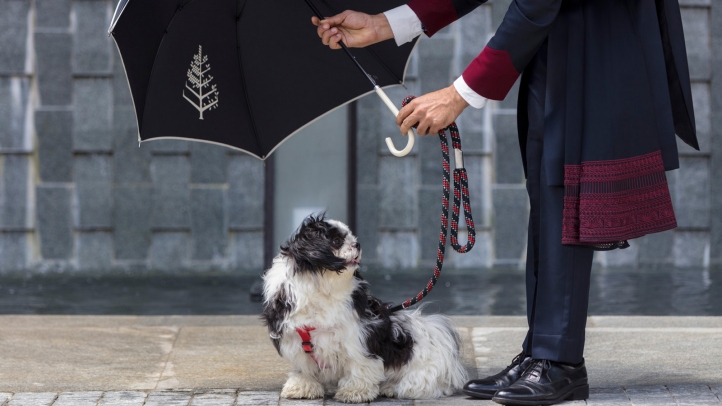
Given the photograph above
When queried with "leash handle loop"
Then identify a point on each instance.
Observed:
(461, 193)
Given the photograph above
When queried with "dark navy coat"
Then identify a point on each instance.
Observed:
(618, 90)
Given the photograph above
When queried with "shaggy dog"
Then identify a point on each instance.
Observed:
(322, 319)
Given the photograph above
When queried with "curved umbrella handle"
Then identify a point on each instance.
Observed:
(410, 134)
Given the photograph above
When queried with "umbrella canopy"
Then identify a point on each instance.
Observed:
(242, 73)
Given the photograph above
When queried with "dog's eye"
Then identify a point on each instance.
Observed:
(337, 241)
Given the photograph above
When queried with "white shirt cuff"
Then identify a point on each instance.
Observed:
(474, 99)
(404, 24)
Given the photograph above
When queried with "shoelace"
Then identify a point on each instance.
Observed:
(535, 369)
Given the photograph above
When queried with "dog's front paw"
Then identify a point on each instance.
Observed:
(389, 391)
(357, 393)
(300, 386)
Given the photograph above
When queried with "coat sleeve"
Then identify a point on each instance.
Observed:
(521, 33)
(437, 14)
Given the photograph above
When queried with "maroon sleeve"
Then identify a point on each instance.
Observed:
(525, 27)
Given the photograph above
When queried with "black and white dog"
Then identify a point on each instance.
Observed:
(322, 319)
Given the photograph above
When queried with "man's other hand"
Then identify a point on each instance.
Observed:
(432, 111)
(355, 29)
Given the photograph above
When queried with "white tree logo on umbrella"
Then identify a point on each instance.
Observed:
(198, 81)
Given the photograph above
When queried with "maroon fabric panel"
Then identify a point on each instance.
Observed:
(615, 200)
(491, 74)
(434, 14)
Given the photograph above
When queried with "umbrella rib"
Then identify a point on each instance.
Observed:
(243, 79)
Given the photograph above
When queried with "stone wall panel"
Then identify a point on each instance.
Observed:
(16, 204)
(53, 53)
(507, 157)
(14, 250)
(692, 193)
(171, 197)
(245, 192)
(247, 251)
(169, 251)
(55, 145)
(695, 21)
(208, 223)
(131, 160)
(131, 221)
(13, 36)
(55, 222)
(52, 14)
(15, 114)
(511, 218)
(208, 163)
(94, 251)
(93, 115)
(91, 44)
(398, 198)
(94, 192)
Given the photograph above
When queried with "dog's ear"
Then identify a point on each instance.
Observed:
(310, 249)
(274, 313)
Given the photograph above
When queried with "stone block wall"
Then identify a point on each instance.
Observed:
(399, 199)
(76, 191)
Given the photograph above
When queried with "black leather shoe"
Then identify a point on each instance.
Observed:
(546, 383)
(486, 388)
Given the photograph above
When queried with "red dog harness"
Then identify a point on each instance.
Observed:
(305, 334)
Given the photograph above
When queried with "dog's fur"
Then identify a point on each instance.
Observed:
(359, 345)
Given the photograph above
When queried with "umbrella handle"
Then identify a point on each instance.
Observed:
(389, 142)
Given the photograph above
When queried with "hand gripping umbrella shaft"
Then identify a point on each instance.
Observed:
(380, 92)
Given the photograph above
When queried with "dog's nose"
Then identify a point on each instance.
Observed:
(356, 245)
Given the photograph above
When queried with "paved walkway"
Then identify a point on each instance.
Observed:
(228, 360)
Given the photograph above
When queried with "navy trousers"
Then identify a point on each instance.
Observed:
(557, 276)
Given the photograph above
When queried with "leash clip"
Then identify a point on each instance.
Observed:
(458, 159)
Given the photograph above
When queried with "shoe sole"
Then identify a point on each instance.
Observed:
(577, 393)
(477, 395)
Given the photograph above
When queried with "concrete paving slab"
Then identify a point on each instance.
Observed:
(260, 398)
(392, 402)
(301, 402)
(224, 357)
(80, 358)
(456, 400)
(693, 394)
(32, 399)
(717, 390)
(214, 398)
(175, 398)
(607, 397)
(655, 321)
(78, 399)
(650, 395)
(4, 397)
(123, 398)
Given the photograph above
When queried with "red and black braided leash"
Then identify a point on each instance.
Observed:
(461, 193)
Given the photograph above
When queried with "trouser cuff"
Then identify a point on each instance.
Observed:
(556, 348)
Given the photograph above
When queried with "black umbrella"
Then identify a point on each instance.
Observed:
(243, 73)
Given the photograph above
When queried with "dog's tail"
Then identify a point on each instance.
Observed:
(437, 351)
(443, 333)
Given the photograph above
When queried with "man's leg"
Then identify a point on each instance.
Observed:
(560, 283)
(557, 279)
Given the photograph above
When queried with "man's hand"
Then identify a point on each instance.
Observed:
(355, 29)
(432, 111)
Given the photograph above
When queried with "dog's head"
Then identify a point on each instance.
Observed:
(322, 245)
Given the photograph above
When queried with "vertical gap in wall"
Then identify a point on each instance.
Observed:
(268, 209)
(352, 121)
